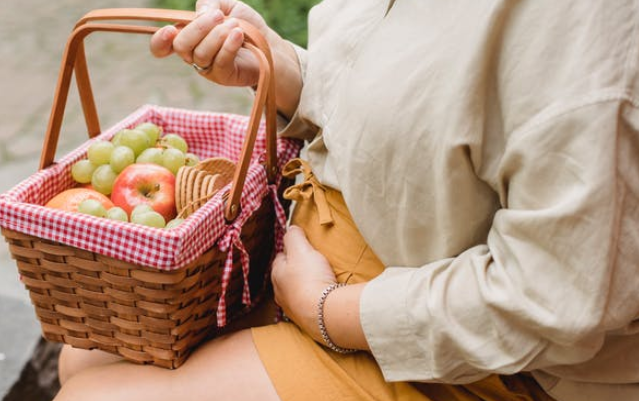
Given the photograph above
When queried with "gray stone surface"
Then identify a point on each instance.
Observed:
(18, 343)
(124, 76)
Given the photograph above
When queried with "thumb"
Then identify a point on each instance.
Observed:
(295, 241)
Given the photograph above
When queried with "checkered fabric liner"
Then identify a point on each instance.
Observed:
(208, 135)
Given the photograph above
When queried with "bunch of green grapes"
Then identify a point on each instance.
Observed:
(106, 159)
(142, 214)
(142, 144)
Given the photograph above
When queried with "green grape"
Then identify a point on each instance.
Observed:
(135, 139)
(102, 179)
(117, 213)
(173, 159)
(121, 157)
(174, 141)
(92, 207)
(174, 223)
(99, 152)
(192, 159)
(141, 208)
(82, 171)
(150, 219)
(116, 138)
(150, 155)
(151, 130)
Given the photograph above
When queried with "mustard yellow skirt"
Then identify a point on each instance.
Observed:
(301, 369)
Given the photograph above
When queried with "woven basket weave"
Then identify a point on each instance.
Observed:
(150, 295)
(143, 314)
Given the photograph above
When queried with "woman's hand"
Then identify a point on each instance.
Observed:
(215, 45)
(299, 276)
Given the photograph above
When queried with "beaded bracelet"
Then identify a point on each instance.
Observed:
(322, 326)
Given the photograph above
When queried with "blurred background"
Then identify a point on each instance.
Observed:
(124, 77)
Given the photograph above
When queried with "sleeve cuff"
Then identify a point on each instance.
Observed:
(301, 58)
(297, 127)
(388, 329)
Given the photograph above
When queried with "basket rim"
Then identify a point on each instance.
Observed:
(159, 248)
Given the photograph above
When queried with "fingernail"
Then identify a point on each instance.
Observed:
(167, 32)
(236, 34)
(218, 15)
(202, 10)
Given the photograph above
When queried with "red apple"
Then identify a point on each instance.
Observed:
(145, 183)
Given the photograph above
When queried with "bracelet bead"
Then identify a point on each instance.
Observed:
(322, 326)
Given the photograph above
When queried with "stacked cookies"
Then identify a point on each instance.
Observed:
(195, 185)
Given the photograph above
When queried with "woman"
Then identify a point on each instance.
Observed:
(474, 178)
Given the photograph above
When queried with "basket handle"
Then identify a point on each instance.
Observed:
(74, 59)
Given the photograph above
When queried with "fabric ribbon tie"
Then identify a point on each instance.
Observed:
(308, 188)
(280, 219)
(233, 240)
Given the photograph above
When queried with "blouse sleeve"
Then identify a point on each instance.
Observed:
(297, 127)
(557, 272)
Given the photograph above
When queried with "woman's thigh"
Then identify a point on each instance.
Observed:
(228, 368)
(75, 360)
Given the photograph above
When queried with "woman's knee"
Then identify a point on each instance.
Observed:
(74, 360)
(123, 382)
(73, 389)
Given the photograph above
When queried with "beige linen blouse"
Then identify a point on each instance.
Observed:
(488, 151)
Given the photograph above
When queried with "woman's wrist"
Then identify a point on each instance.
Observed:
(341, 318)
(287, 72)
(321, 321)
(305, 315)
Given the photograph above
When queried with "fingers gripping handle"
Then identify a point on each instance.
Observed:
(74, 60)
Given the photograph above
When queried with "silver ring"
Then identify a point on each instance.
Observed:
(199, 68)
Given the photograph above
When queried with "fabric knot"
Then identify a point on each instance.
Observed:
(280, 219)
(309, 188)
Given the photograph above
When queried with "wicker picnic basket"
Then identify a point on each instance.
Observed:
(151, 295)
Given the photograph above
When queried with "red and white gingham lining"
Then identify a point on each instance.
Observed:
(208, 135)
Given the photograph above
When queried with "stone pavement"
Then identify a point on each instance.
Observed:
(124, 76)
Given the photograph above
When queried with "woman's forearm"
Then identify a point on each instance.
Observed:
(288, 74)
(341, 317)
